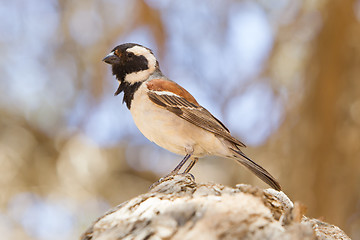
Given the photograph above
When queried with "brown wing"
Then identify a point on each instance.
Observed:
(195, 114)
(160, 84)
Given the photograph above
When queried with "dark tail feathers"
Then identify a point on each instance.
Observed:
(257, 169)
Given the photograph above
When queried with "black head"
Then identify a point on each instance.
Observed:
(132, 64)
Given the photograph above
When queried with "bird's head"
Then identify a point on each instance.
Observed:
(131, 64)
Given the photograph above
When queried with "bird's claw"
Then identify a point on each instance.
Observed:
(171, 175)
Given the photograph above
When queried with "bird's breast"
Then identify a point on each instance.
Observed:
(169, 130)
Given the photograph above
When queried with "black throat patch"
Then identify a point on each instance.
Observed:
(129, 64)
(129, 90)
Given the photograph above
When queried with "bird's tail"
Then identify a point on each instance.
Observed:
(256, 169)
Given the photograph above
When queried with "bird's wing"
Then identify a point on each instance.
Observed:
(193, 113)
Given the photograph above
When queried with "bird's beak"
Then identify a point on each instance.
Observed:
(111, 58)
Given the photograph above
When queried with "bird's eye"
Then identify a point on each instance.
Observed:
(130, 54)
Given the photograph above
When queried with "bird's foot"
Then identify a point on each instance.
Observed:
(188, 174)
(171, 176)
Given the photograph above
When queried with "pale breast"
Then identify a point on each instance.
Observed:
(169, 131)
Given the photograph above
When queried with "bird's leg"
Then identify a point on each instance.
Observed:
(191, 164)
(179, 166)
(189, 167)
(177, 169)
(189, 152)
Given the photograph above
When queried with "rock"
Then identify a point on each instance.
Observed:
(178, 208)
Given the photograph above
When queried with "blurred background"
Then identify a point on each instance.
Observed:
(283, 75)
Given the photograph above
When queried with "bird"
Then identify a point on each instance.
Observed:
(170, 116)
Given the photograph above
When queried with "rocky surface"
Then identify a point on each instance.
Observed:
(179, 208)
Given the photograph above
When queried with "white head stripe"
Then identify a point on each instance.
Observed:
(137, 76)
(144, 74)
(138, 50)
